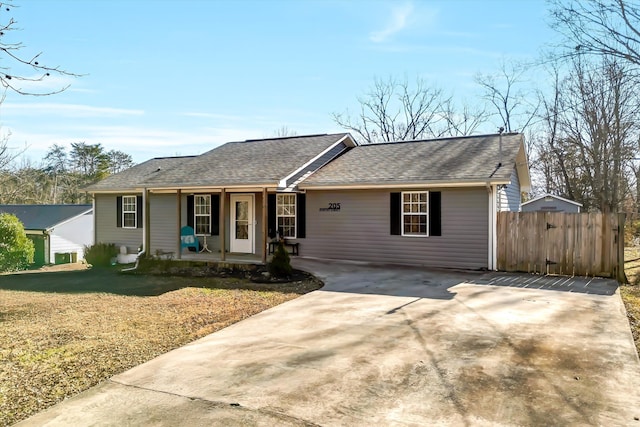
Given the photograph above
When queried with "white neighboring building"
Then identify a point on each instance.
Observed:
(59, 232)
(551, 203)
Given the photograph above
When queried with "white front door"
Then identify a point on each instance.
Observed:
(242, 223)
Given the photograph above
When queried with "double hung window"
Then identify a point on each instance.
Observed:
(202, 214)
(129, 212)
(414, 213)
(286, 214)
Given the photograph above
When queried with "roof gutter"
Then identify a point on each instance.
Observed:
(431, 184)
(214, 189)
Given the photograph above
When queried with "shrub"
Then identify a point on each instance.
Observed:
(100, 254)
(280, 265)
(16, 249)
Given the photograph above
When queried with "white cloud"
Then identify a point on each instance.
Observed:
(142, 143)
(399, 21)
(66, 110)
(216, 116)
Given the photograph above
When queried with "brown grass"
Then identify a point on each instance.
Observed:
(55, 345)
(631, 293)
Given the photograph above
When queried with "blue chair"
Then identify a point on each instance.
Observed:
(188, 238)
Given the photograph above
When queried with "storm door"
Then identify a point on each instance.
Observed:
(242, 223)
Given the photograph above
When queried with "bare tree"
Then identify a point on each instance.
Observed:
(394, 110)
(505, 91)
(462, 120)
(599, 27)
(22, 66)
(284, 131)
(590, 139)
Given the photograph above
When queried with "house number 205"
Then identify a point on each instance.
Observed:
(333, 207)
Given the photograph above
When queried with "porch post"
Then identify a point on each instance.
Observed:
(179, 213)
(223, 197)
(146, 225)
(264, 225)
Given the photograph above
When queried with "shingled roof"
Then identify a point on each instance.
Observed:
(44, 217)
(135, 177)
(251, 162)
(473, 159)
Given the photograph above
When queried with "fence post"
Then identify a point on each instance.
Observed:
(621, 277)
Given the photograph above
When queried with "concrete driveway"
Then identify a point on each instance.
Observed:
(397, 347)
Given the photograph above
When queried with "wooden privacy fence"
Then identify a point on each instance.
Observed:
(580, 244)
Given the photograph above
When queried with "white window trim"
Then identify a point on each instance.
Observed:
(402, 214)
(196, 215)
(134, 212)
(295, 215)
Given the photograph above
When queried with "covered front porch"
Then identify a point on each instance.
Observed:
(208, 224)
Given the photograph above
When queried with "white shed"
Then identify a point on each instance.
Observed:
(551, 203)
(59, 232)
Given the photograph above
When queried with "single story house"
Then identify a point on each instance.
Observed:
(551, 203)
(430, 202)
(59, 232)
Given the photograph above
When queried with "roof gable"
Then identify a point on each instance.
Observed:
(273, 162)
(44, 217)
(544, 196)
(251, 162)
(476, 159)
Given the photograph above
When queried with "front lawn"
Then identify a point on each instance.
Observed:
(63, 332)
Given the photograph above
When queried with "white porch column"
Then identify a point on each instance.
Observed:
(223, 196)
(179, 214)
(265, 228)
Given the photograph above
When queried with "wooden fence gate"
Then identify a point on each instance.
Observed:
(580, 244)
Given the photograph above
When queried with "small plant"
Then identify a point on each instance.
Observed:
(100, 254)
(280, 265)
(16, 249)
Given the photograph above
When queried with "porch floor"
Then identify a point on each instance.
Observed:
(234, 258)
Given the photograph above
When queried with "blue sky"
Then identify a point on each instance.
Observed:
(165, 78)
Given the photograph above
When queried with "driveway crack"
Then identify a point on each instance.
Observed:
(226, 405)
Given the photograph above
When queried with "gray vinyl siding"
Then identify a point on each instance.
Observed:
(509, 197)
(163, 224)
(318, 163)
(360, 230)
(106, 229)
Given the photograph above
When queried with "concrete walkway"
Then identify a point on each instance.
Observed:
(394, 347)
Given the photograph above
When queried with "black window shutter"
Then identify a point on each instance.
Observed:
(271, 215)
(435, 213)
(119, 211)
(138, 211)
(190, 211)
(215, 214)
(301, 216)
(394, 214)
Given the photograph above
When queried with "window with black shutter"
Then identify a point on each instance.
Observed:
(416, 213)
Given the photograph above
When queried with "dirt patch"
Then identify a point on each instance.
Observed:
(77, 266)
(65, 331)
(630, 293)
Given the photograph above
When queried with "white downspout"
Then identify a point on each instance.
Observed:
(144, 232)
(492, 261)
